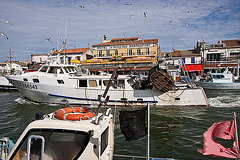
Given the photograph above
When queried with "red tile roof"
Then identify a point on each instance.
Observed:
(77, 50)
(120, 39)
(232, 43)
(183, 53)
(146, 41)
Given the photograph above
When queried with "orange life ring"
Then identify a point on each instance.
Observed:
(74, 113)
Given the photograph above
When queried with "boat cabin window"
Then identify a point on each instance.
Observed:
(44, 69)
(83, 83)
(60, 81)
(92, 83)
(105, 82)
(104, 140)
(121, 83)
(35, 80)
(25, 79)
(70, 69)
(59, 144)
(55, 70)
(218, 76)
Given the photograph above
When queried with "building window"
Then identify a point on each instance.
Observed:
(61, 60)
(138, 51)
(79, 58)
(108, 53)
(100, 53)
(183, 60)
(129, 52)
(147, 51)
(116, 52)
(193, 60)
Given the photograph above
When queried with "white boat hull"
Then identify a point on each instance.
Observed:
(219, 86)
(49, 91)
(5, 84)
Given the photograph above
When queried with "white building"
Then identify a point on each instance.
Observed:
(16, 67)
(39, 58)
(65, 56)
(221, 51)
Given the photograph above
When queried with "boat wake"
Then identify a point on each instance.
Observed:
(26, 101)
(225, 101)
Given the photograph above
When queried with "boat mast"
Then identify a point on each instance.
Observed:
(10, 59)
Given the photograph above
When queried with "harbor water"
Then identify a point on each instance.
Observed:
(176, 132)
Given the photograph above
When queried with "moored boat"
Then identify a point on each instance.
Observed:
(53, 82)
(219, 81)
(5, 84)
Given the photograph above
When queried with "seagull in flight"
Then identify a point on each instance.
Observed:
(145, 15)
(9, 22)
(4, 35)
(130, 15)
(49, 39)
(81, 6)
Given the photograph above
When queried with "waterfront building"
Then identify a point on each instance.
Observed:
(39, 58)
(132, 54)
(223, 50)
(216, 57)
(125, 47)
(15, 67)
(66, 55)
(190, 59)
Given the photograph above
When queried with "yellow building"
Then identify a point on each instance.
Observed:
(125, 47)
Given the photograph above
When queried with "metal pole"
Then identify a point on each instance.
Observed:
(148, 133)
(237, 68)
(235, 121)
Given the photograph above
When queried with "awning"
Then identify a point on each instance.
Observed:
(75, 61)
(193, 67)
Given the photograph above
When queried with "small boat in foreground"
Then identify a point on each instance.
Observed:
(70, 133)
(51, 138)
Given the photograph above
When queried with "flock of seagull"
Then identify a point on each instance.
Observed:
(82, 6)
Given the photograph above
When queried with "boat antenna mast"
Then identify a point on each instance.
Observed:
(10, 59)
(104, 98)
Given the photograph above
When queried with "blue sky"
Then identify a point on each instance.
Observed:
(174, 23)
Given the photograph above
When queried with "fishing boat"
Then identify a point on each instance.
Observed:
(53, 82)
(219, 81)
(5, 84)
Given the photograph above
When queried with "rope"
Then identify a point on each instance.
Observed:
(88, 97)
(125, 95)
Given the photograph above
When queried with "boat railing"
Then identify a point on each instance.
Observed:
(136, 157)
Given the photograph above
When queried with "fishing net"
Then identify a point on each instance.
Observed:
(132, 124)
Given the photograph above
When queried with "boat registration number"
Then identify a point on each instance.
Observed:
(28, 86)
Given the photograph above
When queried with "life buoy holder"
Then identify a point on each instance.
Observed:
(74, 113)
